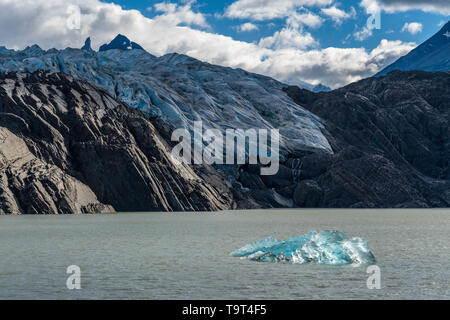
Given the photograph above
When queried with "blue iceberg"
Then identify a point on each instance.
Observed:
(326, 247)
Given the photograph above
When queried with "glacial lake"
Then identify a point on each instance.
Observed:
(186, 255)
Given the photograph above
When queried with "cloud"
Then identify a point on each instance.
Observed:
(293, 35)
(260, 10)
(174, 14)
(436, 6)
(307, 18)
(289, 38)
(246, 27)
(44, 22)
(338, 15)
(412, 27)
(363, 34)
(334, 67)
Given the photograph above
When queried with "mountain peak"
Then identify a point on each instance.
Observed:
(120, 42)
(432, 55)
(34, 50)
(87, 45)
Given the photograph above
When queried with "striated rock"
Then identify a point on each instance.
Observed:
(251, 180)
(67, 147)
(391, 138)
(308, 194)
(283, 178)
(29, 185)
(288, 191)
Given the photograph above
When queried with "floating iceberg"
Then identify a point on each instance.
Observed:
(326, 247)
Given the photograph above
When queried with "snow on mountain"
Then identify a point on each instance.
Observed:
(121, 43)
(179, 89)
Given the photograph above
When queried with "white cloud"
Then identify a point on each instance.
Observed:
(309, 19)
(246, 27)
(363, 34)
(293, 35)
(338, 15)
(288, 38)
(370, 6)
(174, 14)
(268, 9)
(45, 22)
(436, 6)
(335, 67)
(412, 27)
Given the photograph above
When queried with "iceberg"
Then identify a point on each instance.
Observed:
(328, 247)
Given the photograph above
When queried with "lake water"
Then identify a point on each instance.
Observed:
(186, 256)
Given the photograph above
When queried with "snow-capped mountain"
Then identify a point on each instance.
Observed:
(432, 55)
(381, 142)
(121, 43)
(180, 90)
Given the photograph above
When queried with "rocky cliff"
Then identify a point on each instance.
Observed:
(391, 148)
(68, 147)
(391, 143)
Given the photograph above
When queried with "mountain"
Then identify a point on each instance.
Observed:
(432, 55)
(87, 45)
(120, 43)
(178, 90)
(320, 88)
(391, 141)
(68, 147)
(85, 131)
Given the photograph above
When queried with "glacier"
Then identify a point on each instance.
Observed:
(179, 90)
(329, 247)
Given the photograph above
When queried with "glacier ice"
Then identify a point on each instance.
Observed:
(180, 90)
(326, 247)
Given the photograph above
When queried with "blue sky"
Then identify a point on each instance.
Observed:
(329, 34)
(294, 41)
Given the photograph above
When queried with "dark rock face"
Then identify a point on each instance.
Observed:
(391, 137)
(87, 45)
(282, 179)
(67, 147)
(308, 194)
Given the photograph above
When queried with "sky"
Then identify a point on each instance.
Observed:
(318, 41)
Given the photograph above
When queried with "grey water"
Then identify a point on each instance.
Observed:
(186, 255)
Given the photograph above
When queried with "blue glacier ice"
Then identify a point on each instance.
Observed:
(179, 90)
(326, 247)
